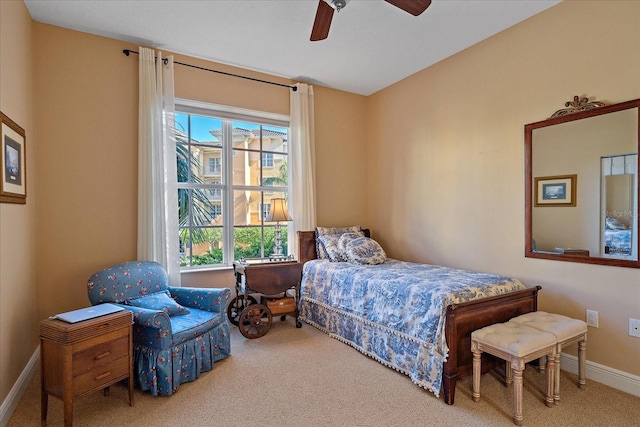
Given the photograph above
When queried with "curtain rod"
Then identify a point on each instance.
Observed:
(294, 88)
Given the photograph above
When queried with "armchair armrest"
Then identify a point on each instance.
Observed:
(151, 327)
(210, 299)
(156, 319)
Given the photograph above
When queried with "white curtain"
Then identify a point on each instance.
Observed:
(157, 187)
(302, 197)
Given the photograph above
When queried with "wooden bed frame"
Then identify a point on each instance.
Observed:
(461, 320)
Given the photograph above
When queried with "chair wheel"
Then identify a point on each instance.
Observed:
(255, 321)
(298, 324)
(236, 306)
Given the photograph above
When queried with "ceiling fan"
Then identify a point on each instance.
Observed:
(324, 14)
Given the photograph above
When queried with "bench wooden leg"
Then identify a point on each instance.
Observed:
(553, 372)
(508, 374)
(582, 362)
(517, 393)
(477, 368)
(542, 364)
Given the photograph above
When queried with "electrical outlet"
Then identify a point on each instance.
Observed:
(634, 327)
(592, 318)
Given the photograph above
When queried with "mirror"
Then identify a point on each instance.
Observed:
(581, 183)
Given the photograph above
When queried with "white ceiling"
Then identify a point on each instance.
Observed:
(371, 45)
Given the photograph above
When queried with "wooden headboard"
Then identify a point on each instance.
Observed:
(307, 244)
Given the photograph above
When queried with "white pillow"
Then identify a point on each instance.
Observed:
(365, 250)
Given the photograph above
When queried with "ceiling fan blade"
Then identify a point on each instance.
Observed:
(321, 25)
(414, 7)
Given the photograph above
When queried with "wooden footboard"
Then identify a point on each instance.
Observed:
(461, 320)
(464, 318)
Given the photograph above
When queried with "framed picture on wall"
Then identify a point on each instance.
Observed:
(555, 190)
(13, 182)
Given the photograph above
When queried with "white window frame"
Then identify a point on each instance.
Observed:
(201, 108)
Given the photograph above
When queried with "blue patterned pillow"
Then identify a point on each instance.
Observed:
(329, 246)
(344, 241)
(159, 301)
(324, 231)
(365, 250)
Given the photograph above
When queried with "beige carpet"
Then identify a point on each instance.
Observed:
(301, 377)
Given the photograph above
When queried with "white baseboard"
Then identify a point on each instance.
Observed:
(15, 394)
(603, 374)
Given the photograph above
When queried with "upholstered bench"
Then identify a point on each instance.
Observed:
(516, 344)
(567, 331)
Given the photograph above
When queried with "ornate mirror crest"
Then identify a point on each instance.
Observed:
(578, 104)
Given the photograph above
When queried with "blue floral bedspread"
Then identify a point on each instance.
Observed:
(393, 312)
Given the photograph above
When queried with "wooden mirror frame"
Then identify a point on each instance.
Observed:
(565, 116)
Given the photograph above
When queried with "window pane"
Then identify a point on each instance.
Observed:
(247, 242)
(246, 167)
(199, 206)
(184, 160)
(247, 136)
(249, 206)
(244, 135)
(201, 246)
(257, 242)
(274, 139)
(274, 170)
(198, 148)
(260, 154)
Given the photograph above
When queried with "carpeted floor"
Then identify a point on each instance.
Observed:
(302, 377)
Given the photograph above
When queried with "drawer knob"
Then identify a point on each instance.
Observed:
(102, 355)
(105, 375)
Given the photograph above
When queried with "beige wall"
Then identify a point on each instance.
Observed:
(18, 285)
(87, 96)
(451, 140)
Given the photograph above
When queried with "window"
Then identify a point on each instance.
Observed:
(214, 165)
(231, 163)
(266, 208)
(267, 160)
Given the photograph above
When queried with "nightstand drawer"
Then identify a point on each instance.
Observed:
(67, 333)
(101, 376)
(100, 355)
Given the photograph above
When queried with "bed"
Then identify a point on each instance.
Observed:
(376, 314)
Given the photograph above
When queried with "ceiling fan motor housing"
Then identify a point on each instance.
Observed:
(337, 4)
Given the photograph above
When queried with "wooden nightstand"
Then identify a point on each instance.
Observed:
(80, 358)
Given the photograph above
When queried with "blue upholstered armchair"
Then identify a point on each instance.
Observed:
(177, 333)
